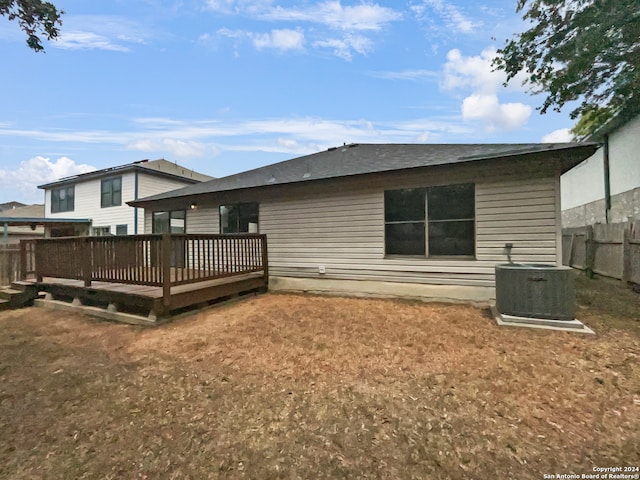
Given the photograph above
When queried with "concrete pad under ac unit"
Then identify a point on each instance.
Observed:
(543, 323)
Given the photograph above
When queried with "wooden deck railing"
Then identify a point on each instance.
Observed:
(156, 260)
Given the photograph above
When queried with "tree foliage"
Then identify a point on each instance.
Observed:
(35, 17)
(579, 50)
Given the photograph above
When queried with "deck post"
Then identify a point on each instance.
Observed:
(23, 260)
(166, 270)
(265, 261)
(86, 260)
(37, 267)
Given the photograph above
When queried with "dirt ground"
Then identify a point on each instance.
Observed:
(293, 386)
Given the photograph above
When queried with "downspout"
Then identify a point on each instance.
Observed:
(135, 197)
(6, 230)
(607, 184)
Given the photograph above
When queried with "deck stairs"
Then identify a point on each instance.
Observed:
(19, 294)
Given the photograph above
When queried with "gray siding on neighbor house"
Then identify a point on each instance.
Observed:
(342, 229)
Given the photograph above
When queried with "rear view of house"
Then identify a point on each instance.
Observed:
(407, 220)
(101, 196)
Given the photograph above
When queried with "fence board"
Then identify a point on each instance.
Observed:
(612, 250)
(9, 264)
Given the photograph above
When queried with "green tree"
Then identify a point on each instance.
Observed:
(35, 17)
(579, 50)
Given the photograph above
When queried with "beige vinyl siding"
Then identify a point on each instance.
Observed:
(345, 234)
(151, 185)
(340, 226)
(521, 212)
(204, 219)
(148, 221)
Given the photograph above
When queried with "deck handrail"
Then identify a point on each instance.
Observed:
(162, 260)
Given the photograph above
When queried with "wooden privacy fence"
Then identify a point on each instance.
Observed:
(155, 260)
(9, 264)
(612, 250)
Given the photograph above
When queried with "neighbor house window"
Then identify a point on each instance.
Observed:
(111, 192)
(432, 221)
(101, 231)
(62, 199)
(173, 221)
(239, 218)
(121, 229)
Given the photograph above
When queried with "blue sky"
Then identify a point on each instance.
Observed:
(223, 86)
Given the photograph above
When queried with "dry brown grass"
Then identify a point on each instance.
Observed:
(286, 386)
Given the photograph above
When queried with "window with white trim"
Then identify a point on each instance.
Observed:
(62, 199)
(111, 192)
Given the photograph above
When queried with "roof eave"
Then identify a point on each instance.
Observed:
(587, 149)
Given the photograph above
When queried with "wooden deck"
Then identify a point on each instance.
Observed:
(150, 275)
(148, 300)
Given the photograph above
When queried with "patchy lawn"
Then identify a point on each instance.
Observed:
(287, 386)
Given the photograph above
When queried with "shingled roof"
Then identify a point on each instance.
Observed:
(360, 159)
(159, 167)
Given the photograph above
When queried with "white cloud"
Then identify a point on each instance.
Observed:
(238, 6)
(287, 142)
(38, 170)
(87, 41)
(345, 47)
(351, 20)
(226, 32)
(475, 74)
(423, 137)
(366, 16)
(558, 136)
(279, 39)
(101, 32)
(176, 148)
(486, 107)
(284, 39)
(450, 14)
(412, 75)
(200, 138)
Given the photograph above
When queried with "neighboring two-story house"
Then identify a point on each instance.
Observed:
(605, 188)
(101, 196)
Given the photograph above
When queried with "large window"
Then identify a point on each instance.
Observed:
(169, 222)
(433, 221)
(239, 218)
(62, 199)
(111, 192)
